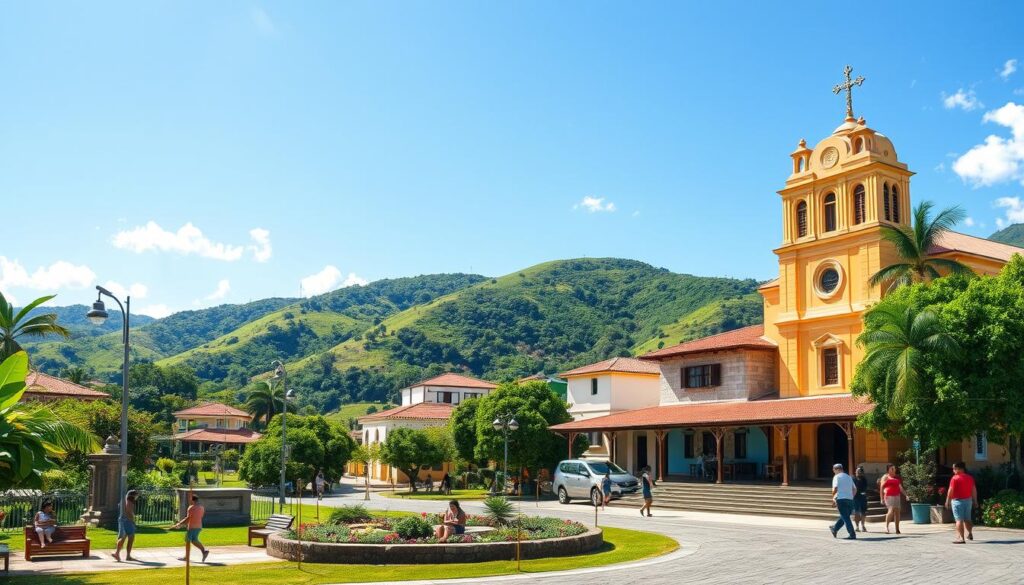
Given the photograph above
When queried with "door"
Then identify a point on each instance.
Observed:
(641, 451)
(832, 449)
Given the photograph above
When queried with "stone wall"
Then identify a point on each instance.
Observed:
(746, 375)
(384, 554)
(224, 506)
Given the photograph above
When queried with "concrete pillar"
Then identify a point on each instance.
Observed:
(104, 484)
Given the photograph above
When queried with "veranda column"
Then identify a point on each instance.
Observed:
(848, 429)
(660, 446)
(719, 434)
(572, 439)
(784, 430)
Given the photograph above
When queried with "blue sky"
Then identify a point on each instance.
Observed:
(210, 152)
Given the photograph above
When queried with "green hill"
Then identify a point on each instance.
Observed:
(714, 317)
(549, 317)
(1013, 235)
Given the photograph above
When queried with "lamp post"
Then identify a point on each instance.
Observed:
(505, 423)
(281, 374)
(98, 315)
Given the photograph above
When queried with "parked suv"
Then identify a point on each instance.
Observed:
(581, 478)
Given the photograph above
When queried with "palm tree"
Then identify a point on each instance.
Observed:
(74, 374)
(265, 401)
(896, 339)
(913, 245)
(30, 435)
(13, 325)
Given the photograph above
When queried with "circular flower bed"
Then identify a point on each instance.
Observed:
(349, 538)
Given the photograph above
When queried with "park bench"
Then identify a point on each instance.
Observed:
(66, 540)
(276, 523)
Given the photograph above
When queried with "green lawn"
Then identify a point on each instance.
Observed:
(620, 546)
(355, 410)
(475, 494)
(227, 479)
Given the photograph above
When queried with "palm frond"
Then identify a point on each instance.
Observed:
(27, 308)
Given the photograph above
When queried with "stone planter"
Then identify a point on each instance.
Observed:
(921, 513)
(410, 554)
(941, 515)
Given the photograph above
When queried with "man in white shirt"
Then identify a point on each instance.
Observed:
(843, 490)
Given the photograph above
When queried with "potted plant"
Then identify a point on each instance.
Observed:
(940, 513)
(918, 480)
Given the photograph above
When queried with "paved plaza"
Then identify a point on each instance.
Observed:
(716, 548)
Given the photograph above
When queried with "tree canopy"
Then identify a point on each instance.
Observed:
(314, 443)
(409, 450)
(913, 245)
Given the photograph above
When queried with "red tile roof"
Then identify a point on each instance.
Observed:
(230, 436)
(418, 411)
(772, 411)
(47, 386)
(751, 337)
(957, 242)
(624, 365)
(456, 381)
(213, 409)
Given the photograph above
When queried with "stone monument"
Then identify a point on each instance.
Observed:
(224, 506)
(104, 485)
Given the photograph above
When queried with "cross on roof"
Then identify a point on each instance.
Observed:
(848, 87)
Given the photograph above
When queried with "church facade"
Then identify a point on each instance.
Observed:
(773, 401)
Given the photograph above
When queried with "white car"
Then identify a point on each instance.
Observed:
(581, 478)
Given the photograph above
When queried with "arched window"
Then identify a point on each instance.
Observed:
(800, 165)
(858, 204)
(801, 219)
(885, 198)
(858, 145)
(830, 212)
(895, 204)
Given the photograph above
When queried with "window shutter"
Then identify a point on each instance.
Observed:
(684, 381)
(716, 374)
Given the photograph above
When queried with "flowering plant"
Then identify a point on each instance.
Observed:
(1005, 509)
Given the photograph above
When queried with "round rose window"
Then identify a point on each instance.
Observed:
(829, 280)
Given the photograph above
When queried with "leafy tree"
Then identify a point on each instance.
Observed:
(74, 374)
(913, 245)
(532, 446)
(314, 442)
(14, 325)
(267, 400)
(462, 426)
(409, 450)
(30, 436)
(103, 419)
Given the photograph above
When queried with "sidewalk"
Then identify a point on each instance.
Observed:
(146, 558)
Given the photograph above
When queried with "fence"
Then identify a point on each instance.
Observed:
(20, 507)
(264, 503)
(154, 507)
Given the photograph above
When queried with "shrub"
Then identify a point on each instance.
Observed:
(1005, 510)
(60, 479)
(499, 510)
(413, 527)
(165, 465)
(349, 515)
(918, 478)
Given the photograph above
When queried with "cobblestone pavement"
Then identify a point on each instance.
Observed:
(721, 548)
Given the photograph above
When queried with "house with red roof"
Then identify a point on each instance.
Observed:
(773, 401)
(42, 387)
(428, 403)
(200, 427)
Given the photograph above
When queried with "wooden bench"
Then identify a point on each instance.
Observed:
(66, 540)
(276, 523)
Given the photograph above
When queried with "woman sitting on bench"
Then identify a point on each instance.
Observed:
(46, 523)
(454, 522)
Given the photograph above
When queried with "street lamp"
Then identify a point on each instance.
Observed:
(281, 374)
(505, 423)
(98, 315)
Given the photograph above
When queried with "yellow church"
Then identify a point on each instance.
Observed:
(772, 402)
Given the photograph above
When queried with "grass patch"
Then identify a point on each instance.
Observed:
(620, 546)
(227, 479)
(355, 410)
(478, 494)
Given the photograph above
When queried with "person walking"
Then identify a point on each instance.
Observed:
(961, 496)
(606, 489)
(843, 491)
(320, 482)
(126, 526)
(647, 484)
(446, 484)
(860, 501)
(194, 520)
(892, 497)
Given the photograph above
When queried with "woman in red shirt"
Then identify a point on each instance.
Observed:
(891, 490)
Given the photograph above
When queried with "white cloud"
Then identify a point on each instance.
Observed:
(1014, 207)
(1009, 68)
(60, 274)
(261, 250)
(264, 24)
(964, 100)
(190, 240)
(157, 311)
(594, 204)
(135, 290)
(969, 221)
(328, 279)
(998, 159)
(223, 288)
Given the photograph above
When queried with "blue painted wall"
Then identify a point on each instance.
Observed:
(757, 451)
